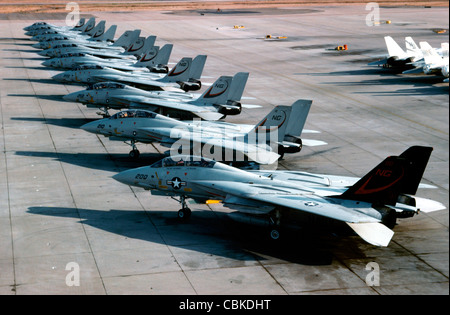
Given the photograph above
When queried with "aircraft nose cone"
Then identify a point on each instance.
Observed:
(91, 126)
(126, 177)
(59, 77)
(72, 97)
(47, 63)
(37, 45)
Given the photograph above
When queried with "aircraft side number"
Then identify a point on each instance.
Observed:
(141, 176)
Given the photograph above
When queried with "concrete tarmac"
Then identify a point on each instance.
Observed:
(62, 213)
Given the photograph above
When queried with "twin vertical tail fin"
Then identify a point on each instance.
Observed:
(218, 92)
(106, 36)
(272, 128)
(155, 58)
(394, 50)
(89, 25)
(297, 119)
(430, 56)
(79, 24)
(98, 30)
(394, 176)
(187, 73)
(127, 39)
(197, 67)
(411, 45)
(238, 86)
(180, 72)
(141, 46)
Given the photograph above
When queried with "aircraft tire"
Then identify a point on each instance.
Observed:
(184, 214)
(134, 154)
(274, 234)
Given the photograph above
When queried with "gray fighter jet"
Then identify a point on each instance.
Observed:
(185, 75)
(137, 49)
(155, 60)
(106, 41)
(147, 127)
(221, 98)
(212, 138)
(370, 206)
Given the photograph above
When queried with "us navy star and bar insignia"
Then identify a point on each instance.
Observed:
(176, 183)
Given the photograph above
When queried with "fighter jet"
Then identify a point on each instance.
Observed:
(80, 26)
(185, 75)
(222, 97)
(155, 60)
(176, 102)
(210, 137)
(106, 41)
(434, 61)
(137, 49)
(72, 60)
(397, 57)
(370, 206)
(89, 31)
(147, 127)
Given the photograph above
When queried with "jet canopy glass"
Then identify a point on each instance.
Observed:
(184, 161)
(88, 67)
(65, 45)
(133, 113)
(106, 85)
(73, 55)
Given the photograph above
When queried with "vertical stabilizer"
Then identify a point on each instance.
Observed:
(297, 119)
(394, 50)
(127, 38)
(89, 25)
(197, 67)
(394, 176)
(180, 72)
(108, 35)
(217, 93)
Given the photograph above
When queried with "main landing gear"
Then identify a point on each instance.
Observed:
(134, 153)
(184, 213)
(104, 112)
(275, 226)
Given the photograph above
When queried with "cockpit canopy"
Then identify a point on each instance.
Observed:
(133, 113)
(73, 55)
(89, 67)
(106, 85)
(184, 161)
(65, 45)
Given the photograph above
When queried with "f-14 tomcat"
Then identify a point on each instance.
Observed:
(220, 99)
(369, 206)
(148, 127)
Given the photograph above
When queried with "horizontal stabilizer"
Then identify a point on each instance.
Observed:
(373, 233)
(251, 106)
(428, 205)
(414, 71)
(313, 143)
(209, 115)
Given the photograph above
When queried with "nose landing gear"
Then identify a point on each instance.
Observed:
(184, 213)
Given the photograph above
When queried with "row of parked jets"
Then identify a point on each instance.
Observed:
(414, 59)
(132, 73)
(121, 74)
